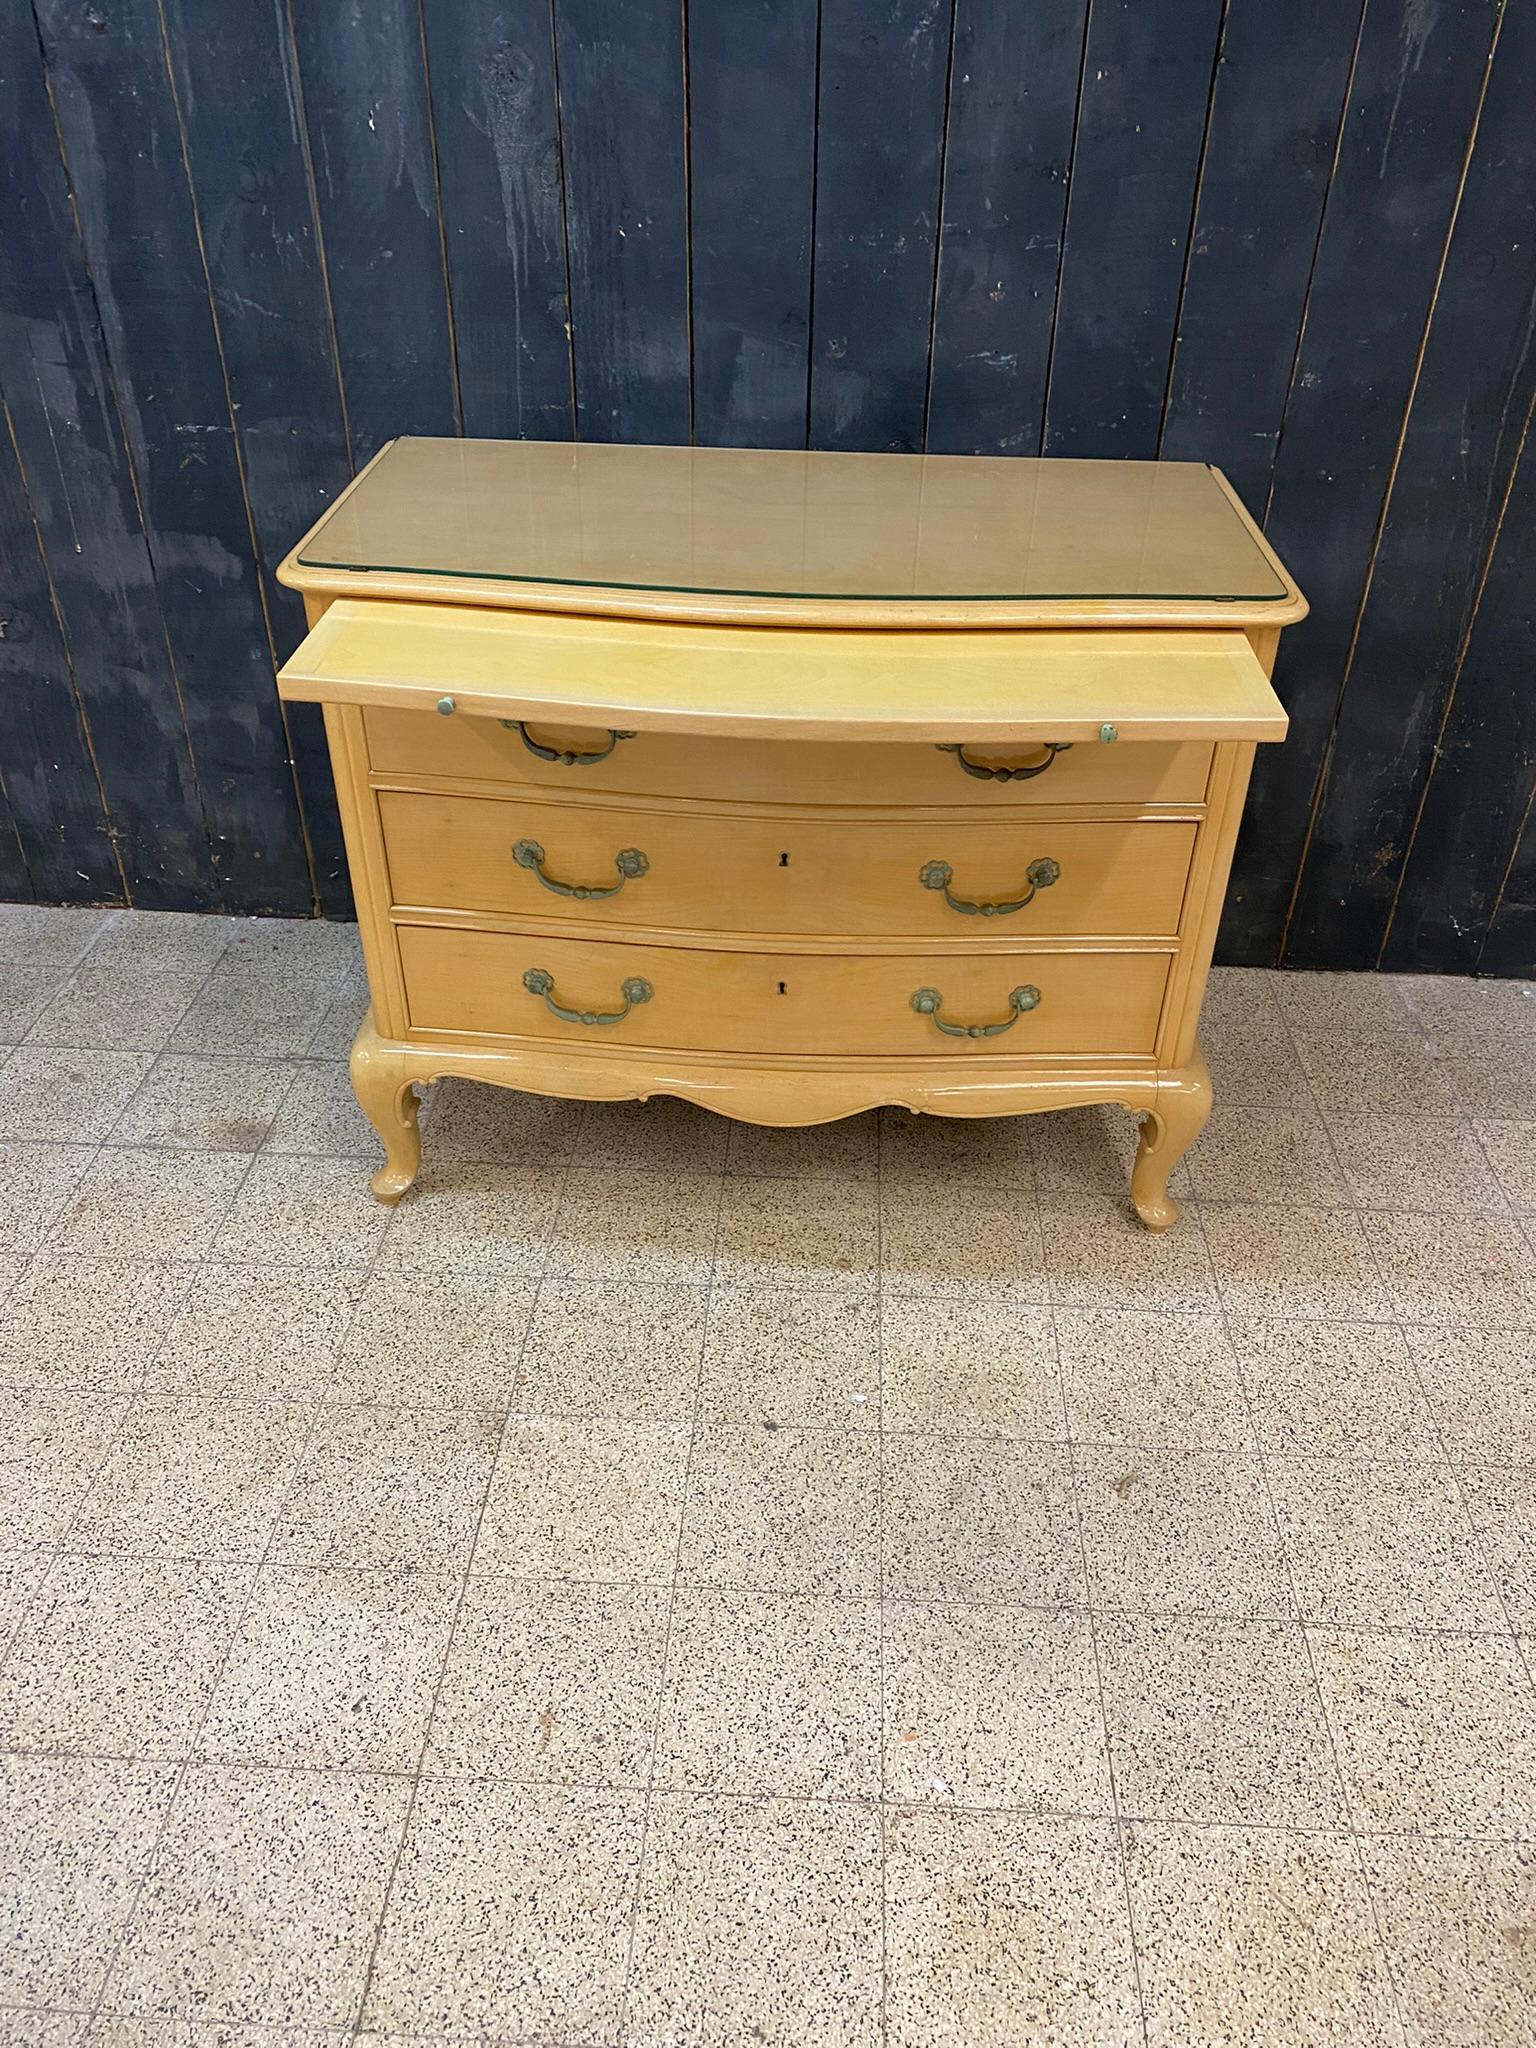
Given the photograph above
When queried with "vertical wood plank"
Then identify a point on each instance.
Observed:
(622, 125)
(1146, 90)
(884, 71)
(752, 149)
(118, 120)
(1478, 798)
(492, 66)
(1418, 76)
(1509, 948)
(1274, 129)
(69, 435)
(256, 211)
(365, 97)
(52, 790)
(1463, 434)
(1013, 94)
(15, 881)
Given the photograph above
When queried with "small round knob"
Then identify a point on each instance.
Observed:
(1108, 733)
(447, 706)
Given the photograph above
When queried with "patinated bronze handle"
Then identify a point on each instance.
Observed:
(566, 757)
(927, 1002)
(540, 982)
(630, 863)
(1021, 774)
(938, 874)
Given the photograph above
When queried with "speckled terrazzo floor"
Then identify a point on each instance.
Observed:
(681, 1584)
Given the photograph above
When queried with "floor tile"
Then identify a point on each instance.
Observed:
(213, 1105)
(804, 1878)
(585, 1500)
(1482, 1388)
(771, 1695)
(304, 1212)
(1256, 1935)
(332, 1670)
(988, 1243)
(1501, 1500)
(20, 2029)
(1249, 1153)
(76, 1836)
(1293, 1262)
(921, 1150)
(661, 1136)
(1369, 1069)
(1246, 1042)
(799, 1233)
(1456, 1920)
(631, 1352)
(435, 1340)
(798, 1357)
(979, 1367)
(35, 1183)
(635, 1226)
(471, 1122)
(553, 1682)
(1415, 1163)
(258, 1005)
(319, 1113)
(1004, 1929)
(41, 932)
(65, 1097)
(1180, 1532)
(23, 1567)
(119, 1659)
(256, 1333)
(1099, 1256)
(1140, 1378)
(1433, 1733)
(51, 1445)
(120, 1006)
(193, 1479)
(471, 1217)
(981, 1519)
(152, 1205)
(1087, 1151)
(1381, 1545)
(1332, 1386)
(509, 1914)
(994, 1707)
(1510, 1149)
(1462, 1269)
(263, 1897)
(333, 1035)
(1216, 1721)
(27, 989)
(1342, 1003)
(88, 1324)
(1446, 1005)
(846, 1150)
(784, 1510)
(1489, 1073)
(386, 1486)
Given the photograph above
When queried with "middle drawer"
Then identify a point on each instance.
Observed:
(726, 872)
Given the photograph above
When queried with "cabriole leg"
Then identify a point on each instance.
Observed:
(1167, 1132)
(387, 1099)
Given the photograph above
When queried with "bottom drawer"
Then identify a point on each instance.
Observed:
(801, 1003)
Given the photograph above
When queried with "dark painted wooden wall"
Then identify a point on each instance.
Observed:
(245, 241)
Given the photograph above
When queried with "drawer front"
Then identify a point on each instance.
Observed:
(797, 1003)
(414, 743)
(739, 873)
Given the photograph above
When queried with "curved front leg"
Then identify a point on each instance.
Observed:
(388, 1100)
(1167, 1132)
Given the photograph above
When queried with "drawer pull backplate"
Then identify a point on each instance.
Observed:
(938, 874)
(630, 862)
(566, 757)
(540, 982)
(927, 1003)
(1025, 772)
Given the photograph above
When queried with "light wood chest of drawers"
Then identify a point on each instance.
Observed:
(656, 778)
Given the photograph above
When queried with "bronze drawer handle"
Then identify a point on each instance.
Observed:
(566, 757)
(630, 862)
(1020, 774)
(927, 1002)
(540, 982)
(938, 874)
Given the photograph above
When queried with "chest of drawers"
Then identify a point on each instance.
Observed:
(790, 785)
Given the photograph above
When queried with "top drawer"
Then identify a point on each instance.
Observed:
(410, 744)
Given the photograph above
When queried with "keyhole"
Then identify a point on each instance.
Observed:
(783, 860)
(783, 988)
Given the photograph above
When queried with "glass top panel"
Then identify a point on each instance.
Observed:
(781, 523)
